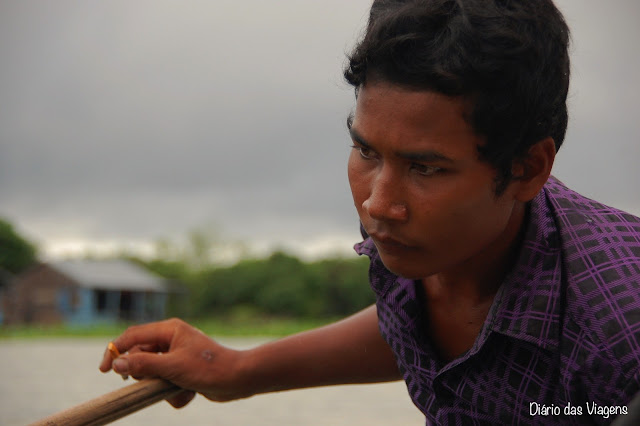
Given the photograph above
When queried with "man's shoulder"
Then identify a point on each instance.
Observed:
(573, 209)
(600, 248)
(594, 237)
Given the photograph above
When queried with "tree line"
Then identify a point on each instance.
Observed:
(16, 252)
(278, 285)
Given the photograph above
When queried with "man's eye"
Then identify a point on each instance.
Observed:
(365, 153)
(425, 170)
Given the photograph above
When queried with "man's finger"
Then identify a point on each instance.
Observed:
(105, 364)
(145, 348)
(144, 364)
(181, 399)
(154, 335)
(157, 334)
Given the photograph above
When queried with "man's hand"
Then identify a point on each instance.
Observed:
(181, 354)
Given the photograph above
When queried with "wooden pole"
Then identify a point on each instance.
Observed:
(113, 405)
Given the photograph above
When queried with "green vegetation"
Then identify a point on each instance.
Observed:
(281, 285)
(16, 253)
(269, 326)
(271, 296)
(235, 325)
(263, 293)
(40, 331)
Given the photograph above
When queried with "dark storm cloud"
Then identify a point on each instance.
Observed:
(144, 118)
(601, 150)
(134, 120)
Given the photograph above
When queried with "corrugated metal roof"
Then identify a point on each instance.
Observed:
(110, 275)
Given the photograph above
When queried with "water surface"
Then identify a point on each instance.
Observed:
(41, 377)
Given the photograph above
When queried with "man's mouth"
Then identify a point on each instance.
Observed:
(388, 243)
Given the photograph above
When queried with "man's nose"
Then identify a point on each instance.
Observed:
(385, 199)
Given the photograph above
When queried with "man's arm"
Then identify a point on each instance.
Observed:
(348, 351)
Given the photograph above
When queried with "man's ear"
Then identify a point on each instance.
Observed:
(532, 172)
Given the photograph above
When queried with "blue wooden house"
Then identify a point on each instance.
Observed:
(85, 292)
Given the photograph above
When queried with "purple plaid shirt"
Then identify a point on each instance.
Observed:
(561, 342)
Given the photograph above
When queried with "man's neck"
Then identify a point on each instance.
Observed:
(457, 302)
(478, 279)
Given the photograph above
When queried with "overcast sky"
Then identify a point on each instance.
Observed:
(122, 122)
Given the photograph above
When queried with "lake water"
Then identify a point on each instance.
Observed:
(44, 376)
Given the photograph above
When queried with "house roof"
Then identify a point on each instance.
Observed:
(114, 274)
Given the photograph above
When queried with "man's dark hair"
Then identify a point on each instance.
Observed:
(509, 58)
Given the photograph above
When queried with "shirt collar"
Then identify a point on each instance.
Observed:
(527, 305)
(366, 247)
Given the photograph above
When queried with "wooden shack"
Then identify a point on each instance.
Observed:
(85, 292)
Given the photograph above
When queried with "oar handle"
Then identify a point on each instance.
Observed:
(113, 405)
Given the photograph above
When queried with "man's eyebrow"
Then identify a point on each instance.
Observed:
(358, 138)
(428, 156)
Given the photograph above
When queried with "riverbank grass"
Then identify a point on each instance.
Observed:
(231, 326)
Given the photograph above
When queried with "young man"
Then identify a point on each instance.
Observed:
(502, 296)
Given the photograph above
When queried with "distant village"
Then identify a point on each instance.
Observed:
(183, 281)
(74, 292)
(82, 292)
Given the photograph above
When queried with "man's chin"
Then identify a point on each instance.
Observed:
(407, 270)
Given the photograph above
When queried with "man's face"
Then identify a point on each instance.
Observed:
(421, 191)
